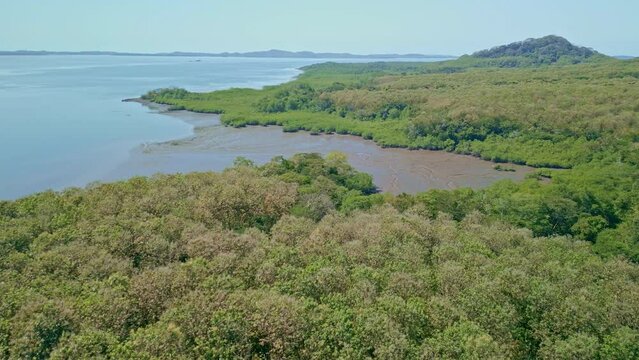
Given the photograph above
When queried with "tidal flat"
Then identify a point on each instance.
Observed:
(214, 147)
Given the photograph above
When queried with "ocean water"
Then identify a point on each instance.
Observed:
(63, 124)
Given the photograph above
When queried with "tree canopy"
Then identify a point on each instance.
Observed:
(546, 50)
(298, 259)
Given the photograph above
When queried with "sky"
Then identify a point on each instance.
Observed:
(358, 26)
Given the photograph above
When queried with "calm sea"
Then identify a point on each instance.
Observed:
(62, 122)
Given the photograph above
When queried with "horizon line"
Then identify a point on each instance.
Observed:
(222, 54)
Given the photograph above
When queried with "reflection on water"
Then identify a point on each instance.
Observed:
(214, 147)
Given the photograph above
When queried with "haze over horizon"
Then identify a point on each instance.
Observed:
(359, 27)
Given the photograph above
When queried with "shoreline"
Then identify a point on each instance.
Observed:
(166, 109)
(213, 146)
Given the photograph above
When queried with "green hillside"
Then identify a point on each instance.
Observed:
(543, 51)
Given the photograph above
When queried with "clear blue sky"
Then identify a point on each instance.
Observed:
(357, 26)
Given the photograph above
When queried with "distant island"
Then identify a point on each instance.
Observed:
(254, 54)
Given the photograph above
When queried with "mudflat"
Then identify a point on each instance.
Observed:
(214, 146)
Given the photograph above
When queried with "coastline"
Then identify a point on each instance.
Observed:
(164, 108)
(147, 103)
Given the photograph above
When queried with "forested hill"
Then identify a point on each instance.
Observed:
(531, 53)
(546, 50)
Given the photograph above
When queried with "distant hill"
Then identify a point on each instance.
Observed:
(542, 51)
(254, 54)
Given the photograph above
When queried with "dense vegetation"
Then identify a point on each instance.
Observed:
(583, 117)
(296, 259)
(547, 50)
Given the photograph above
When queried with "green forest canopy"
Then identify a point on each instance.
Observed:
(546, 50)
(295, 259)
(301, 258)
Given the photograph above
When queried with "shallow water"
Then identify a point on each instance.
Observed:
(214, 147)
(63, 124)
